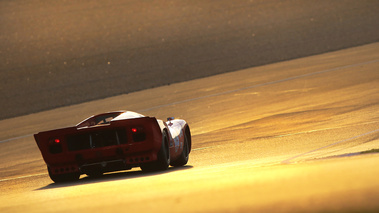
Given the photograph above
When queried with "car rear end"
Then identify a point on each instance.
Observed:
(119, 145)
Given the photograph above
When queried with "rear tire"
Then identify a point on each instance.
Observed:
(63, 178)
(183, 158)
(163, 160)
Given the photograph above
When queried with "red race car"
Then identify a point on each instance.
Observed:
(114, 141)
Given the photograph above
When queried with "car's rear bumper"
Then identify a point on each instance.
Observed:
(107, 159)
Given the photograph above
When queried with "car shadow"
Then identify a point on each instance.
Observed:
(122, 175)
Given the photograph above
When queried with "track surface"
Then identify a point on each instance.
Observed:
(65, 52)
(286, 137)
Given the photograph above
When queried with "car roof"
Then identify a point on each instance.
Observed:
(128, 115)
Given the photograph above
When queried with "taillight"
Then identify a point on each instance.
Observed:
(138, 134)
(55, 146)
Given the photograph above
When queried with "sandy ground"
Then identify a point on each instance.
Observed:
(285, 137)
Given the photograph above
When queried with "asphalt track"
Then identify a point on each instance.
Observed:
(294, 136)
(61, 53)
(301, 135)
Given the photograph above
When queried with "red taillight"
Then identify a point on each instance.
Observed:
(53, 141)
(138, 134)
(55, 145)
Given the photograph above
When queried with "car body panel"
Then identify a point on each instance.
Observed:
(110, 141)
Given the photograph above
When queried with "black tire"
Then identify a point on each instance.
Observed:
(163, 161)
(63, 178)
(183, 158)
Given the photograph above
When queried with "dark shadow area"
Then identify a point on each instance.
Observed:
(372, 151)
(123, 175)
